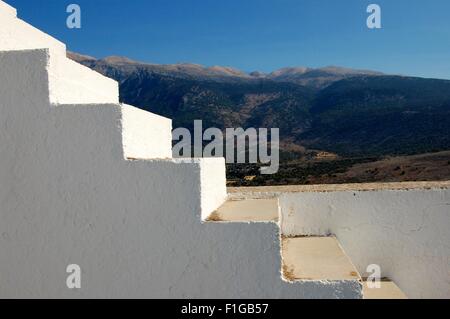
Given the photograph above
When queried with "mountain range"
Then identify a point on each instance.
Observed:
(344, 111)
(316, 78)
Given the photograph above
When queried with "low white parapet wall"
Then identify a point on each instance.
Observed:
(402, 227)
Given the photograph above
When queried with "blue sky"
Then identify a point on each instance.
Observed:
(259, 35)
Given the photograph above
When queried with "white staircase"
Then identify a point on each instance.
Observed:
(304, 258)
(6, 11)
(401, 228)
(87, 180)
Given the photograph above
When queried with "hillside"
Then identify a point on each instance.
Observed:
(360, 116)
(382, 115)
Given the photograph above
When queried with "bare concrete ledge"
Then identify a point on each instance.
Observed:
(275, 191)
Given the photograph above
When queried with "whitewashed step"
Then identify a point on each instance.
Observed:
(387, 290)
(69, 81)
(145, 135)
(73, 83)
(16, 34)
(246, 210)
(316, 258)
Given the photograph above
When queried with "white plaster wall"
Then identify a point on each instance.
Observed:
(68, 196)
(70, 82)
(213, 186)
(145, 135)
(406, 232)
(16, 34)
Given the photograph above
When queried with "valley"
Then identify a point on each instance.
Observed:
(422, 167)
